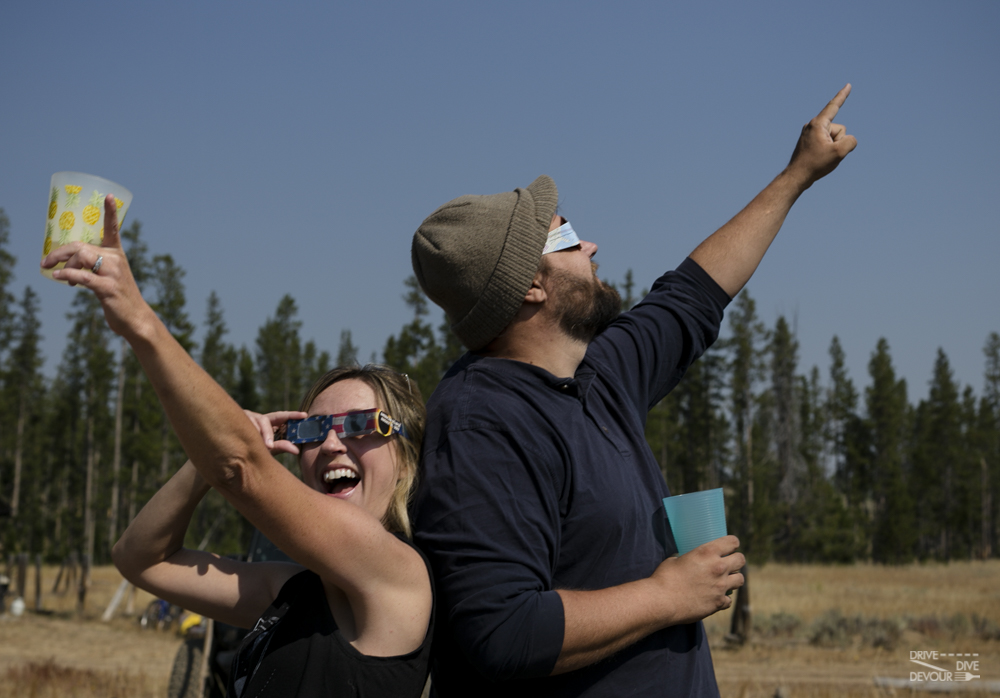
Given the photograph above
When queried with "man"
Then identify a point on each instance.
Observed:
(540, 498)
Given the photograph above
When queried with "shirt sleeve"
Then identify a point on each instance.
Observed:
(651, 346)
(492, 535)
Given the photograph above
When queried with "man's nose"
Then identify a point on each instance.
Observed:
(589, 247)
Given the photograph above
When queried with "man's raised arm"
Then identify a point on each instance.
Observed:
(731, 254)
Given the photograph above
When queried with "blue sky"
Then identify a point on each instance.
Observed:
(295, 149)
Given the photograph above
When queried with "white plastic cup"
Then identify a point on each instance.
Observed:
(76, 211)
(696, 518)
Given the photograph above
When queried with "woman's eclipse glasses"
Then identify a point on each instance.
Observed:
(345, 425)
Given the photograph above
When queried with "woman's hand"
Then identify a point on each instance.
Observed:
(111, 281)
(267, 425)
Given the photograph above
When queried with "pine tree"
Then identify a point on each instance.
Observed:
(627, 290)
(844, 431)
(136, 254)
(702, 432)
(279, 358)
(246, 394)
(416, 350)
(91, 361)
(24, 386)
(217, 357)
(966, 510)
(216, 525)
(990, 464)
(169, 304)
(7, 261)
(347, 353)
(6, 328)
(663, 429)
(747, 333)
(786, 433)
(935, 456)
(812, 522)
(824, 528)
(893, 535)
(314, 365)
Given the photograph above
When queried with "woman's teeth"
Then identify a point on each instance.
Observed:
(337, 474)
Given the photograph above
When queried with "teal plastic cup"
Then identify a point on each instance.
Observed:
(696, 518)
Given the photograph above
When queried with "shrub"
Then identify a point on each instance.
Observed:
(779, 624)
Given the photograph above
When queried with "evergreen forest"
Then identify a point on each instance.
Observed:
(815, 468)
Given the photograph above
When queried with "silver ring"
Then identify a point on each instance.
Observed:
(97, 265)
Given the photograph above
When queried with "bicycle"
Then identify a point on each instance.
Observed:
(159, 615)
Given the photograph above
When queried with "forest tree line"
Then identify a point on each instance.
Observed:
(815, 469)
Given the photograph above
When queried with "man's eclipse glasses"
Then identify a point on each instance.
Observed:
(346, 425)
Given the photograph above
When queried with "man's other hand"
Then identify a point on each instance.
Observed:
(823, 144)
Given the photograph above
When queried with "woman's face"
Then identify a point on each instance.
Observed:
(359, 469)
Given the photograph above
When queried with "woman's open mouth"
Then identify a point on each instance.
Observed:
(340, 481)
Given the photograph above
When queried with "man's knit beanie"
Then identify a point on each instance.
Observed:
(477, 255)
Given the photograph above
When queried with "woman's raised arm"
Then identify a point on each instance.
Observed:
(346, 545)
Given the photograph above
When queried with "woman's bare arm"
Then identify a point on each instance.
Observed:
(151, 555)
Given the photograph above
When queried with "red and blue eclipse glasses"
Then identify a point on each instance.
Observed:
(346, 425)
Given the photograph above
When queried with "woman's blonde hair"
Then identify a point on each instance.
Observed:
(398, 395)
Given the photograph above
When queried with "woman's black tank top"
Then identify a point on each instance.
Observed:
(296, 649)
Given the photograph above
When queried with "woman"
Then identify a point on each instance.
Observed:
(353, 616)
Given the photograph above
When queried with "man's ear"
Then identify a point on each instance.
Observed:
(536, 293)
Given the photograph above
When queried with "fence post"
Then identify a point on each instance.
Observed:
(22, 575)
(38, 582)
(72, 570)
(81, 588)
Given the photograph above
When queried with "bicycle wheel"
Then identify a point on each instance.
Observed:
(184, 673)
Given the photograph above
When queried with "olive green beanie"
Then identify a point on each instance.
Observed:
(477, 255)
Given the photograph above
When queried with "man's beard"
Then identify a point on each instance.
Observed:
(584, 308)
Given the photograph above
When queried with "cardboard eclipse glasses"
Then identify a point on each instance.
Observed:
(346, 425)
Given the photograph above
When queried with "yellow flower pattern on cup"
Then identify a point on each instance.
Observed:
(53, 203)
(47, 247)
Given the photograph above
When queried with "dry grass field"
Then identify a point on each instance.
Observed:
(821, 631)
(953, 608)
(63, 653)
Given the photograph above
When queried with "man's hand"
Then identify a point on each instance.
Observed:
(682, 589)
(823, 144)
(731, 254)
(695, 584)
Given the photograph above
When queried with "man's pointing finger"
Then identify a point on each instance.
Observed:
(831, 109)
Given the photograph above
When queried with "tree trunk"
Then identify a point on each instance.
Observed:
(748, 522)
(164, 449)
(61, 509)
(116, 460)
(985, 525)
(18, 450)
(133, 493)
(88, 492)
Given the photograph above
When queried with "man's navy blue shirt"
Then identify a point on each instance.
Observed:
(533, 483)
